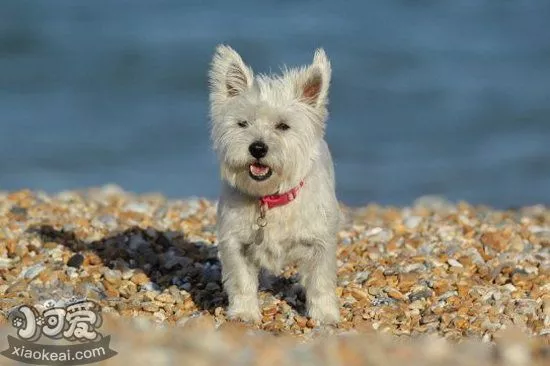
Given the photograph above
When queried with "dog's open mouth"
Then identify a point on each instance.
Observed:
(259, 171)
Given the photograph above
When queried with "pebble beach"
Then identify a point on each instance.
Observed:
(434, 283)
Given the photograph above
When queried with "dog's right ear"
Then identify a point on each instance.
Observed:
(229, 76)
(315, 80)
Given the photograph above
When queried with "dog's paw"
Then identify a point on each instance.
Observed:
(245, 309)
(325, 312)
(246, 315)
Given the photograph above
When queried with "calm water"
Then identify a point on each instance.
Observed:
(428, 97)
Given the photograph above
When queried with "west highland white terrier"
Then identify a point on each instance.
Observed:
(278, 205)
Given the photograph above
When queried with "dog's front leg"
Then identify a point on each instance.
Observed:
(319, 279)
(240, 281)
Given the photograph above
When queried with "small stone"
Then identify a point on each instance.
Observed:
(395, 294)
(108, 221)
(429, 319)
(165, 297)
(138, 207)
(6, 263)
(150, 306)
(454, 263)
(16, 287)
(160, 316)
(361, 277)
(50, 245)
(93, 259)
(150, 286)
(140, 278)
(151, 295)
(136, 242)
(414, 267)
(72, 272)
(412, 222)
(509, 287)
(3, 289)
(379, 235)
(18, 211)
(301, 321)
(359, 294)
(420, 294)
(270, 310)
(76, 260)
(127, 288)
(111, 293)
(33, 271)
(114, 276)
(383, 301)
(127, 274)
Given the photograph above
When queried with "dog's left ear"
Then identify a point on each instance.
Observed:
(315, 80)
(229, 75)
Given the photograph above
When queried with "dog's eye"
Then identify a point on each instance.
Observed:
(242, 124)
(282, 126)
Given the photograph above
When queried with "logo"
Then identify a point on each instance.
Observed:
(74, 321)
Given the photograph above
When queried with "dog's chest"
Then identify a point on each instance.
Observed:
(272, 245)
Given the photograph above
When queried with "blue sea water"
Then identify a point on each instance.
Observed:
(428, 97)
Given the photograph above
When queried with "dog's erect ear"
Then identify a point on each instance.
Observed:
(229, 76)
(315, 80)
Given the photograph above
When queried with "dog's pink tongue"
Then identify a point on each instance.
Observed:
(258, 169)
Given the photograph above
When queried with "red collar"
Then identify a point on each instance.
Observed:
(276, 200)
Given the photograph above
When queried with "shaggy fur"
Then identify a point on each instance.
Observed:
(247, 109)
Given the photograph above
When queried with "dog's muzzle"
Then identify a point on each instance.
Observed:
(259, 172)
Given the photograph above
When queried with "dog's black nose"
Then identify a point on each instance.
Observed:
(258, 149)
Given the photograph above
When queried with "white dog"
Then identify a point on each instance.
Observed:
(278, 205)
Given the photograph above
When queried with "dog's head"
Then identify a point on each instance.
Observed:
(267, 129)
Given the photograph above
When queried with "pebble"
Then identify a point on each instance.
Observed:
(420, 294)
(165, 297)
(113, 276)
(139, 207)
(383, 301)
(76, 260)
(140, 278)
(378, 234)
(6, 263)
(150, 306)
(412, 222)
(150, 286)
(33, 271)
(361, 277)
(127, 274)
(72, 273)
(127, 288)
(105, 221)
(455, 263)
(136, 242)
(301, 321)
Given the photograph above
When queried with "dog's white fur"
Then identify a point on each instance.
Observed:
(302, 231)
